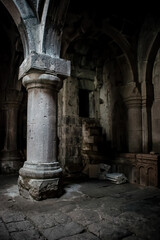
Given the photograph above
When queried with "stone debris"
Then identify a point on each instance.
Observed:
(117, 178)
(103, 172)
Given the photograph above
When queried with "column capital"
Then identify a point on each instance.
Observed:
(131, 95)
(133, 102)
(11, 97)
(44, 64)
(38, 80)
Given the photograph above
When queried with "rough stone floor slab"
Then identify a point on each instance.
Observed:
(88, 210)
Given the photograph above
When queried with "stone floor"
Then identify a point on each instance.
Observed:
(89, 210)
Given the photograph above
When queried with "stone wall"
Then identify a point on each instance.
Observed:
(69, 127)
(70, 132)
(72, 149)
(93, 148)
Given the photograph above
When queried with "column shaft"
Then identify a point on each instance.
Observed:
(11, 128)
(41, 132)
(134, 125)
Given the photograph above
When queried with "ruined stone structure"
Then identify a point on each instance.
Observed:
(80, 84)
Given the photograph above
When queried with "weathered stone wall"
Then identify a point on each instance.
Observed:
(93, 147)
(70, 116)
(113, 113)
(107, 110)
(69, 127)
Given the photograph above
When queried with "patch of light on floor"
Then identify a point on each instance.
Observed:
(71, 192)
(73, 188)
(12, 191)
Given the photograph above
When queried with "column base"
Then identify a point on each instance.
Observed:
(40, 189)
(40, 181)
(10, 162)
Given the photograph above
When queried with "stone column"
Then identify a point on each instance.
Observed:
(40, 177)
(147, 100)
(145, 126)
(11, 159)
(134, 127)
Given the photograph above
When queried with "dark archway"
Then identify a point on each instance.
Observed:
(11, 95)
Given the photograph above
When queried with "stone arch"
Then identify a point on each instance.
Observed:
(147, 55)
(148, 46)
(152, 52)
(153, 93)
(124, 45)
(13, 47)
(10, 93)
(117, 38)
(18, 13)
(115, 35)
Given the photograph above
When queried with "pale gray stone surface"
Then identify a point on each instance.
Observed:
(82, 236)
(61, 231)
(25, 235)
(4, 234)
(19, 226)
(10, 216)
(49, 220)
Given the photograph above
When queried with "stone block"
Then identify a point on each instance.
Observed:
(25, 235)
(59, 232)
(39, 189)
(9, 217)
(44, 62)
(19, 226)
(4, 234)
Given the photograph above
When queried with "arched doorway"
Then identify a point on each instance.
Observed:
(12, 96)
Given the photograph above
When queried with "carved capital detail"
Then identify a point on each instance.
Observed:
(36, 80)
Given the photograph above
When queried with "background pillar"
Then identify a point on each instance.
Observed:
(134, 127)
(11, 159)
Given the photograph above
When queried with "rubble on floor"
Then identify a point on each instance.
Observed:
(103, 171)
(117, 178)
